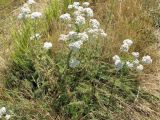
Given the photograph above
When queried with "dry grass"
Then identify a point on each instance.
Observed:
(121, 20)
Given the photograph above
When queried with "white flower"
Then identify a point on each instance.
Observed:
(75, 45)
(80, 20)
(77, 13)
(47, 45)
(76, 5)
(118, 65)
(86, 4)
(63, 37)
(124, 47)
(74, 63)
(146, 60)
(116, 57)
(89, 12)
(83, 36)
(104, 35)
(69, 26)
(72, 35)
(65, 17)
(70, 7)
(36, 15)
(80, 9)
(2, 111)
(94, 32)
(94, 23)
(139, 68)
(135, 62)
(129, 64)
(135, 54)
(7, 117)
(23, 16)
(25, 9)
(30, 2)
(35, 37)
(128, 41)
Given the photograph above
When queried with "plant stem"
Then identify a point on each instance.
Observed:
(68, 59)
(112, 91)
(137, 94)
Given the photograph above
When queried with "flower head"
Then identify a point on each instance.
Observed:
(83, 36)
(77, 13)
(147, 60)
(25, 9)
(118, 65)
(63, 37)
(86, 4)
(23, 16)
(116, 57)
(135, 62)
(124, 47)
(135, 54)
(80, 9)
(65, 17)
(35, 37)
(89, 12)
(72, 35)
(93, 32)
(70, 7)
(139, 68)
(30, 2)
(7, 116)
(74, 63)
(76, 5)
(80, 20)
(129, 64)
(128, 41)
(75, 45)
(47, 45)
(103, 34)
(94, 23)
(2, 111)
(36, 15)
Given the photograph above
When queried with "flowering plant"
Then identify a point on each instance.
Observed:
(84, 28)
(134, 62)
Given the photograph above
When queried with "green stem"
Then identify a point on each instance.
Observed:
(112, 91)
(68, 59)
(63, 74)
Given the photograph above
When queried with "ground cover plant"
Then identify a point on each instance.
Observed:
(81, 60)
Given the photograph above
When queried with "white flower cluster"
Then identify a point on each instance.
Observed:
(3, 112)
(80, 16)
(36, 15)
(25, 11)
(133, 64)
(30, 2)
(65, 17)
(47, 45)
(74, 63)
(35, 37)
(126, 45)
(80, 12)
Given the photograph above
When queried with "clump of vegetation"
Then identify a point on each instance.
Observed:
(61, 64)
